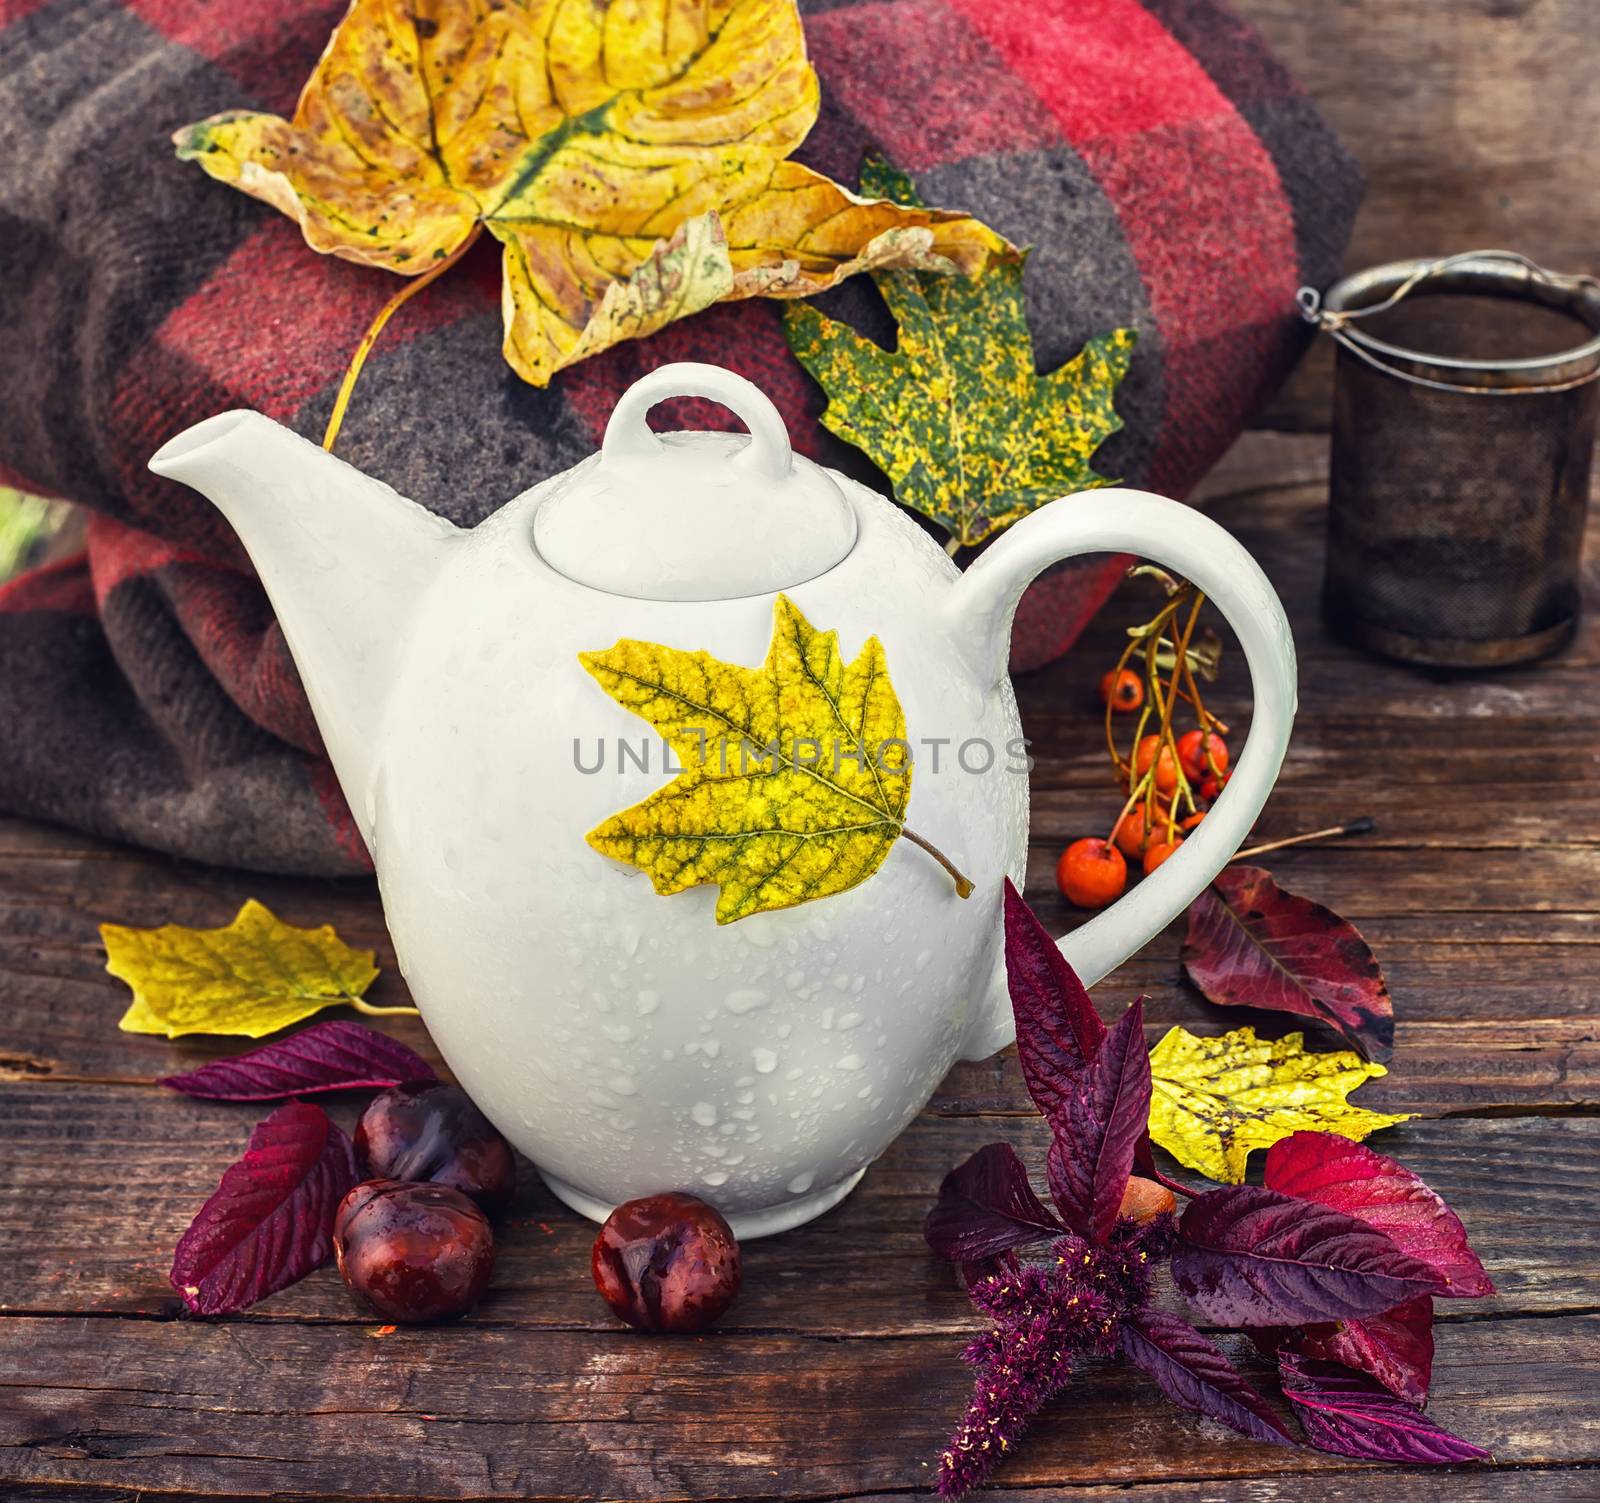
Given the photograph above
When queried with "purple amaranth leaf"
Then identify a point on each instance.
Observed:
(1193, 1372)
(325, 1057)
(270, 1222)
(1091, 1158)
(987, 1207)
(1350, 1177)
(1058, 1030)
(1250, 1256)
(1350, 1414)
(1396, 1347)
(1251, 944)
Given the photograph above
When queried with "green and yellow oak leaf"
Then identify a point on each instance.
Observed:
(631, 157)
(956, 416)
(1215, 1099)
(251, 977)
(796, 775)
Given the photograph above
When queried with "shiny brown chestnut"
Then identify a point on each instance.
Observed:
(413, 1252)
(667, 1263)
(431, 1131)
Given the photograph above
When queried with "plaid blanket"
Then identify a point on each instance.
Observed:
(1167, 171)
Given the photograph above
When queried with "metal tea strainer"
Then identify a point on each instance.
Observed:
(1463, 431)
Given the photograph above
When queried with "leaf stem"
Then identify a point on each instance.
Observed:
(375, 328)
(964, 887)
(1363, 826)
(374, 1011)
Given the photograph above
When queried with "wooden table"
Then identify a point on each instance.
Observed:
(837, 1374)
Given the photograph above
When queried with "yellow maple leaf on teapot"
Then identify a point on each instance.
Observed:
(630, 156)
(795, 775)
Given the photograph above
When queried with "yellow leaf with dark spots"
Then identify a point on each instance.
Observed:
(250, 978)
(1213, 1100)
(630, 156)
(956, 415)
(796, 775)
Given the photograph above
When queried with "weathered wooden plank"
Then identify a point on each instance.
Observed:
(188, 1406)
(1496, 1008)
(98, 1182)
(1571, 1484)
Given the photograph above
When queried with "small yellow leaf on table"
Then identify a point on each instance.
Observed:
(250, 978)
(1215, 1099)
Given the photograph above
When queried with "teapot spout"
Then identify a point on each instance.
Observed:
(342, 557)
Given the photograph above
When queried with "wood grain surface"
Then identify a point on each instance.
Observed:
(837, 1374)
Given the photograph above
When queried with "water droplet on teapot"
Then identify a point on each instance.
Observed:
(646, 1002)
(704, 1113)
(800, 1183)
(765, 1061)
(745, 999)
(849, 1062)
(848, 1020)
(714, 1177)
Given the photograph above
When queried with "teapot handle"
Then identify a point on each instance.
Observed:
(1114, 520)
(629, 436)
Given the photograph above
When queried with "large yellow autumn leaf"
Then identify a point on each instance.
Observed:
(631, 157)
(795, 775)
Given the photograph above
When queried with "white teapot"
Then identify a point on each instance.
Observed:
(629, 1042)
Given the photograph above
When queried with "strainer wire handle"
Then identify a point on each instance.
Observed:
(1332, 321)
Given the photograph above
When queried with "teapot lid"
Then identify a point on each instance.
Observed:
(695, 516)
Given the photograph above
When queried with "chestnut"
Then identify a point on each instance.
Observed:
(430, 1131)
(666, 1263)
(413, 1252)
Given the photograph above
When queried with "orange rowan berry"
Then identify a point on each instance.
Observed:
(1122, 689)
(1136, 829)
(1154, 855)
(1091, 873)
(1202, 753)
(1153, 749)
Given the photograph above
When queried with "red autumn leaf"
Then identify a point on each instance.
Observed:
(1194, 1373)
(1349, 1414)
(325, 1057)
(1250, 1256)
(1251, 944)
(1092, 1156)
(1350, 1177)
(987, 1207)
(1058, 1030)
(270, 1222)
(1396, 1347)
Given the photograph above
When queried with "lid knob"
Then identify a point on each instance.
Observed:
(695, 516)
(630, 437)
